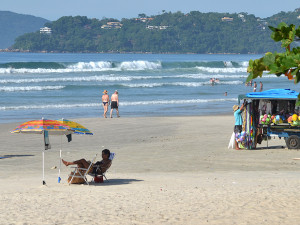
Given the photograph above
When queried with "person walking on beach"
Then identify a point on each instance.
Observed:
(105, 102)
(114, 103)
(237, 111)
(261, 86)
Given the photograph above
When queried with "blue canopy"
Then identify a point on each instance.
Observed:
(283, 94)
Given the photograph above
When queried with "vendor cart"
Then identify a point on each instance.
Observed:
(290, 134)
(271, 113)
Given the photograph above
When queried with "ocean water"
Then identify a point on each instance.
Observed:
(36, 85)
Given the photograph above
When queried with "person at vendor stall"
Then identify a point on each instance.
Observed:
(237, 111)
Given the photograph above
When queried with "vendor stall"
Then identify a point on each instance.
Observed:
(270, 113)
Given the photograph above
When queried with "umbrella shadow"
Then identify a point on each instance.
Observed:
(116, 182)
(11, 156)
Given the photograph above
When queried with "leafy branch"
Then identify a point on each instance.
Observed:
(286, 63)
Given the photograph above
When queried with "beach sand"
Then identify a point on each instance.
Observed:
(167, 170)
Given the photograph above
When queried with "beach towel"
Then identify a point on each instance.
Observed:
(231, 142)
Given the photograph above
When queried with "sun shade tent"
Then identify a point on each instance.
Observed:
(284, 101)
(282, 94)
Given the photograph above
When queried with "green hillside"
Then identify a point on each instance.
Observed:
(194, 32)
(13, 25)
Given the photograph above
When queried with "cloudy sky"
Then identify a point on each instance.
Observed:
(54, 9)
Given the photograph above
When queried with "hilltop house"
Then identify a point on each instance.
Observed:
(144, 20)
(242, 17)
(45, 30)
(156, 27)
(112, 25)
(227, 19)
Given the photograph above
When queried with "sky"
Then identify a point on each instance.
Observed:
(54, 9)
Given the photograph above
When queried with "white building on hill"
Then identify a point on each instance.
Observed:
(45, 30)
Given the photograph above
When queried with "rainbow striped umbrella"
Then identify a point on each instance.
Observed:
(76, 127)
(45, 127)
(39, 126)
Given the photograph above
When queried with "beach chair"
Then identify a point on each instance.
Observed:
(97, 169)
(81, 173)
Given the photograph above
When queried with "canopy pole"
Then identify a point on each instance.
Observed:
(44, 182)
(59, 178)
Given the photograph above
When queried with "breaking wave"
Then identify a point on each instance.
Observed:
(52, 67)
(30, 88)
(84, 105)
(186, 84)
(223, 70)
(136, 65)
(79, 79)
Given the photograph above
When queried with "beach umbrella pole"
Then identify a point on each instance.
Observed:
(44, 182)
(59, 178)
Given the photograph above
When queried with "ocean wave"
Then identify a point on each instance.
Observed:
(244, 63)
(79, 79)
(86, 105)
(98, 66)
(186, 84)
(140, 65)
(30, 88)
(205, 76)
(91, 65)
(222, 70)
(79, 67)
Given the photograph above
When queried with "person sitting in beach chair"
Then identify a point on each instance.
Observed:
(98, 168)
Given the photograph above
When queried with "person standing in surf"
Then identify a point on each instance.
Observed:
(261, 86)
(105, 102)
(114, 103)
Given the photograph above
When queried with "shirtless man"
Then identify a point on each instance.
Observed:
(104, 164)
(254, 86)
(105, 102)
(114, 103)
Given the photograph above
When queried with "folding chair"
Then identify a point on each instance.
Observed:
(98, 171)
(81, 172)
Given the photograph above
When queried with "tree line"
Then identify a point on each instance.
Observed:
(194, 32)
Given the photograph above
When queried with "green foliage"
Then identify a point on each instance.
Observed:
(194, 32)
(287, 63)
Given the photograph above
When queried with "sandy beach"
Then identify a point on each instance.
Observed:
(167, 170)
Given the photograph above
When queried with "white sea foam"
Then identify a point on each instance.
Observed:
(88, 67)
(205, 76)
(140, 65)
(228, 63)
(236, 82)
(184, 101)
(91, 65)
(79, 79)
(244, 63)
(222, 70)
(30, 88)
(186, 84)
(86, 105)
(150, 85)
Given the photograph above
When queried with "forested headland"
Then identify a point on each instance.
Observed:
(194, 32)
(13, 25)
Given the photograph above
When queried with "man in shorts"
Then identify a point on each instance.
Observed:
(114, 103)
(238, 121)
